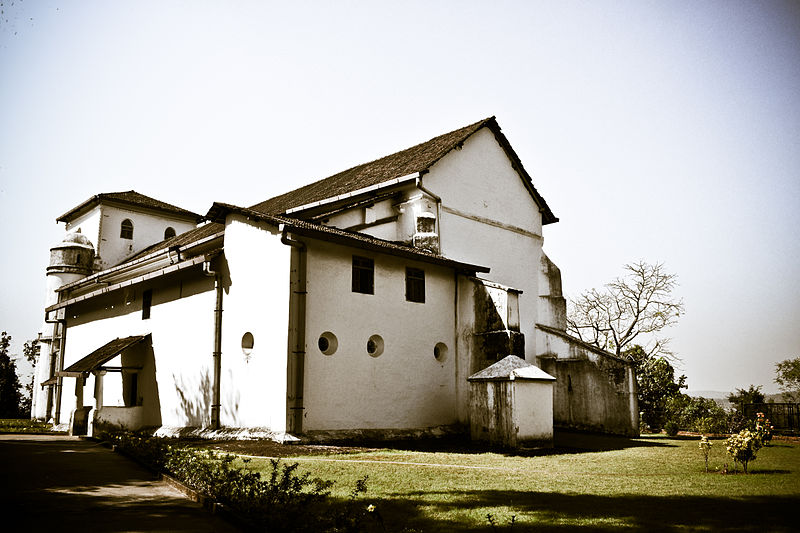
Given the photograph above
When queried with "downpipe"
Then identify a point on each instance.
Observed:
(297, 344)
(217, 353)
(61, 328)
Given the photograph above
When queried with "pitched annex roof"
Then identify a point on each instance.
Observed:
(362, 240)
(130, 198)
(510, 368)
(412, 160)
(104, 354)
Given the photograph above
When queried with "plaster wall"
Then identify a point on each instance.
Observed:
(489, 218)
(89, 225)
(256, 300)
(103, 223)
(512, 413)
(406, 386)
(181, 324)
(592, 391)
(365, 218)
(533, 412)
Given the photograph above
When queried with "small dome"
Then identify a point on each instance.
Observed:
(77, 238)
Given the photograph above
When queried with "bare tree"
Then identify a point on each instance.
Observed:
(633, 308)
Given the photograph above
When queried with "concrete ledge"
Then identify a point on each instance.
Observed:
(378, 435)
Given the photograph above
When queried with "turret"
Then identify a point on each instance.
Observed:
(70, 260)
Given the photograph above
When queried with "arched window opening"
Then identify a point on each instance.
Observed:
(169, 233)
(126, 229)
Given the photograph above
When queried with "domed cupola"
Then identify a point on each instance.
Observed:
(74, 255)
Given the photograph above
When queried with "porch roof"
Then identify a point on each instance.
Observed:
(102, 355)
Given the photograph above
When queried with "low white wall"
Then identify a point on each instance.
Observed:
(533, 412)
(130, 418)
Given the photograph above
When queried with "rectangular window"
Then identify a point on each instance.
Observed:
(133, 390)
(147, 301)
(415, 285)
(363, 275)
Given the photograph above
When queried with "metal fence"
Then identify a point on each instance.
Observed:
(785, 417)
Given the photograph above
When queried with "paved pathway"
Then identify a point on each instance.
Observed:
(63, 484)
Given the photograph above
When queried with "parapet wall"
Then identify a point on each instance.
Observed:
(594, 390)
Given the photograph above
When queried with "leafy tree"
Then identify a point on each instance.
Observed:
(788, 379)
(656, 381)
(30, 350)
(696, 414)
(633, 308)
(742, 396)
(10, 396)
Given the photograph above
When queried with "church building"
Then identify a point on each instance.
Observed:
(404, 297)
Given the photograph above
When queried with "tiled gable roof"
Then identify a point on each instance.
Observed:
(418, 158)
(414, 159)
(130, 198)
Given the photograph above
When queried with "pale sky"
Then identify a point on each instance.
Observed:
(663, 131)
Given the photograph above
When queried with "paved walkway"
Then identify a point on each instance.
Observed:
(61, 484)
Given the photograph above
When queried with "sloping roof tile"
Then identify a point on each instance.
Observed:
(104, 354)
(418, 158)
(187, 237)
(131, 198)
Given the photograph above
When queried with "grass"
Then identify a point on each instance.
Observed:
(23, 425)
(588, 482)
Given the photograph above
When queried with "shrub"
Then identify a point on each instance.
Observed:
(705, 447)
(283, 500)
(671, 428)
(743, 447)
(763, 428)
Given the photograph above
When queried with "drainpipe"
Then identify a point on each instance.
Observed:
(217, 354)
(297, 345)
(59, 329)
(455, 343)
(438, 208)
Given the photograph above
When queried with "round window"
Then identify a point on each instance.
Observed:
(327, 343)
(440, 352)
(375, 346)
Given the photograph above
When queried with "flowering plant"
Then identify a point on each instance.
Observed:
(743, 446)
(705, 447)
(763, 428)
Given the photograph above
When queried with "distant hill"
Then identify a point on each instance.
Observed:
(721, 397)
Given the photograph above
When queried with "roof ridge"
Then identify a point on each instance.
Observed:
(131, 197)
(416, 158)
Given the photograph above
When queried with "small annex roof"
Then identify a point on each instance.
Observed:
(510, 368)
(132, 198)
(219, 210)
(417, 159)
(102, 355)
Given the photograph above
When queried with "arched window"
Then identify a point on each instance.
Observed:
(126, 229)
(169, 233)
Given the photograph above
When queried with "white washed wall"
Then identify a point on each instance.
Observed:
(257, 301)
(477, 184)
(405, 387)
(181, 323)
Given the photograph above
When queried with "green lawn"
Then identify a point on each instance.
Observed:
(23, 425)
(588, 482)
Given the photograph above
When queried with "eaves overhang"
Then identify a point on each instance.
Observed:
(219, 211)
(188, 263)
(168, 255)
